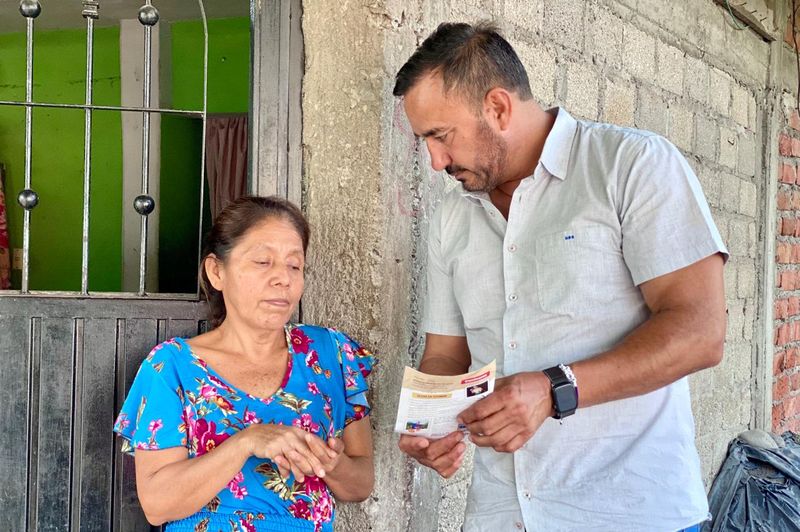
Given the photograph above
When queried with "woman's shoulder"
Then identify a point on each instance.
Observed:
(307, 337)
(168, 357)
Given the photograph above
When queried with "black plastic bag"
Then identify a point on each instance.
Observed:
(757, 489)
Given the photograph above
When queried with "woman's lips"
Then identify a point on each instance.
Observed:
(277, 302)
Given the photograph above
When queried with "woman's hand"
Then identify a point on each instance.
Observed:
(330, 456)
(292, 449)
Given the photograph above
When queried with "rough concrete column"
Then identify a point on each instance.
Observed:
(359, 279)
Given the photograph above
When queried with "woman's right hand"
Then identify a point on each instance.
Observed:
(292, 449)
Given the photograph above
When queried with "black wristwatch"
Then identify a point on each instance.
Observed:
(564, 390)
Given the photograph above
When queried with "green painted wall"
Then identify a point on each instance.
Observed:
(57, 171)
(57, 157)
(228, 65)
(228, 92)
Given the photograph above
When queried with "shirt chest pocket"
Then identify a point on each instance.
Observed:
(580, 271)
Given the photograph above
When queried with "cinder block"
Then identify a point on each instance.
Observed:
(620, 103)
(697, 73)
(738, 242)
(728, 140)
(739, 109)
(651, 112)
(748, 199)
(747, 153)
(639, 53)
(582, 90)
(735, 319)
(681, 126)
(720, 91)
(746, 280)
(706, 137)
(563, 23)
(752, 240)
(710, 183)
(604, 36)
(541, 66)
(526, 17)
(670, 68)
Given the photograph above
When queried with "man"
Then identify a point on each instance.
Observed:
(583, 257)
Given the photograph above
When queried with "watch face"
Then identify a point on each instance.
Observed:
(565, 398)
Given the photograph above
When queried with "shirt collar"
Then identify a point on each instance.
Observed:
(555, 153)
(558, 145)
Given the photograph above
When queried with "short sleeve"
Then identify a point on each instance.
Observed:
(442, 313)
(665, 219)
(151, 417)
(356, 363)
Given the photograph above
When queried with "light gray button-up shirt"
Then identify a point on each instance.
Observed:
(606, 209)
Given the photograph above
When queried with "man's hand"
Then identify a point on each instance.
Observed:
(444, 455)
(511, 414)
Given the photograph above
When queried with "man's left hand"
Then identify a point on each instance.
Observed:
(511, 414)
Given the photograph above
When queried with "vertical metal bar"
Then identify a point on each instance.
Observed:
(34, 359)
(145, 152)
(26, 220)
(76, 454)
(203, 149)
(87, 145)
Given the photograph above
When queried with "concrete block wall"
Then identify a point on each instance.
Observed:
(676, 68)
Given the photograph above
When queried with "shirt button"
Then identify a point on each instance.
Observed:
(526, 494)
(512, 345)
(512, 297)
(518, 525)
(512, 248)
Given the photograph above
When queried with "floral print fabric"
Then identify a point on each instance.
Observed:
(177, 400)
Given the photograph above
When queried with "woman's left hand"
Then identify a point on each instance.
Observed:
(329, 458)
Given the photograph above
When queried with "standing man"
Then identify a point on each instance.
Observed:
(583, 257)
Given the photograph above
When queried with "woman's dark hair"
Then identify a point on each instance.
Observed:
(471, 59)
(230, 226)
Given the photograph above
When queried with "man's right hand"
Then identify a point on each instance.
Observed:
(444, 455)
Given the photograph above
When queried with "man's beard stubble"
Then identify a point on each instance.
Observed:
(489, 163)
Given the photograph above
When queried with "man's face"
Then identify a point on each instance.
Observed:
(459, 142)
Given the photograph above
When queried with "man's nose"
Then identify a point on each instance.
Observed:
(439, 157)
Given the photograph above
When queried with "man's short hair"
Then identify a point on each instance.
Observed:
(471, 59)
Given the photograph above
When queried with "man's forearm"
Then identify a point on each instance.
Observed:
(668, 346)
(442, 366)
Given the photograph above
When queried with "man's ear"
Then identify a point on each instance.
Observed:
(214, 271)
(497, 107)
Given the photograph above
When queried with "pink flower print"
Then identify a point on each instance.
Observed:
(300, 509)
(247, 526)
(219, 384)
(363, 369)
(312, 361)
(359, 411)
(238, 491)
(250, 417)
(155, 426)
(348, 351)
(300, 342)
(207, 437)
(122, 422)
(188, 422)
(306, 423)
(224, 405)
(323, 509)
(312, 387)
(313, 485)
(208, 392)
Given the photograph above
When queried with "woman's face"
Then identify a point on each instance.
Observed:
(262, 278)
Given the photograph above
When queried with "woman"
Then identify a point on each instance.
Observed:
(257, 423)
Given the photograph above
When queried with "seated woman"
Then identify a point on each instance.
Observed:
(257, 424)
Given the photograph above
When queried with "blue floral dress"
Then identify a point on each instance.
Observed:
(177, 400)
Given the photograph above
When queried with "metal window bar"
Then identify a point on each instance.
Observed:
(143, 204)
